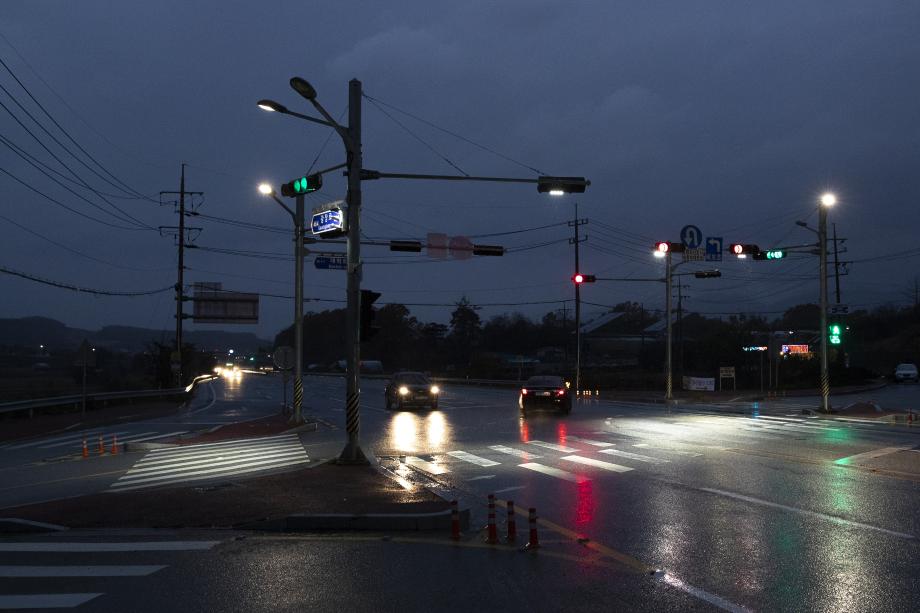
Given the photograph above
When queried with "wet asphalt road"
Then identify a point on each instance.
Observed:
(766, 508)
(760, 508)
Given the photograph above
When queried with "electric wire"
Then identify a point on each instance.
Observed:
(85, 290)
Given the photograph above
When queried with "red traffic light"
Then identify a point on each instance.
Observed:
(737, 249)
(663, 247)
(578, 278)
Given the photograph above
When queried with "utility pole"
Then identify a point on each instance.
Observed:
(836, 266)
(296, 413)
(668, 388)
(576, 223)
(822, 273)
(352, 452)
(180, 232)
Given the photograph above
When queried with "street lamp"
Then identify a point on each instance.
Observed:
(827, 200)
(298, 218)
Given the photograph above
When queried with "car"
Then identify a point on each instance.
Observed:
(408, 389)
(545, 391)
(905, 372)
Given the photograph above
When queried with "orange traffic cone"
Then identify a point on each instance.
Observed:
(492, 537)
(454, 521)
(101, 446)
(534, 542)
(85, 449)
(114, 444)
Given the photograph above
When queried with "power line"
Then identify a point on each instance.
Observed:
(85, 290)
(455, 135)
(71, 209)
(125, 187)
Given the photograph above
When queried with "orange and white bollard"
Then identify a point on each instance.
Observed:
(512, 525)
(101, 446)
(114, 444)
(85, 449)
(492, 536)
(454, 521)
(534, 542)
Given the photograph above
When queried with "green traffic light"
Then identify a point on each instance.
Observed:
(777, 254)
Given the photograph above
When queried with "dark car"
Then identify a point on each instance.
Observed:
(545, 392)
(407, 389)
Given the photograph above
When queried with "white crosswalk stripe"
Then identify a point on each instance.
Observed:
(515, 452)
(588, 441)
(429, 467)
(472, 459)
(554, 472)
(98, 573)
(552, 446)
(597, 463)
(633, 456)
(211, 461)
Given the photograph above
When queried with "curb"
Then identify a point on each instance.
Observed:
(403, 522)
(14, 525)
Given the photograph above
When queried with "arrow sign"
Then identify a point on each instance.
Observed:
(691, 236)
(713, 248)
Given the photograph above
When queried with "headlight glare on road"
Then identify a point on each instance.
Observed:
(435, 389)
(403, 390)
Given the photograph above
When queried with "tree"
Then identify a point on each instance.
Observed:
(465, 332)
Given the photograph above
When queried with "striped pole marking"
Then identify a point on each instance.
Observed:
(352, 416)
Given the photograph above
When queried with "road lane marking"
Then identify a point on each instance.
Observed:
(831, 518)
(102, 546)
(513, 488)
(552, 446)
(45, 601)
(554, 472)
(224, 469)
(428, 467)
(221, 460)
(869, 455)
(717, 601)
(515, 452)
(692, 454)
(472, 459)
(78, 571)
(588, 441)
(481, 477)
(633, 456)
(597, 463)
(153, 438)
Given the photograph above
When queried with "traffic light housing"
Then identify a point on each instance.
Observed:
(302, 185)
(579, 278)
(834, 334)
(556, 186)
(707, 274)
(665, 247)
(773, 254)
(368, 329)
(741, 249)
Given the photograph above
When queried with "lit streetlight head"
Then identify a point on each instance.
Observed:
(265, 189)
(272, 106)
(556, 192)
(303, 88)
(828, 199)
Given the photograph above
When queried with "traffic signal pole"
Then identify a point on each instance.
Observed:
(352, 454)
(668, 385)
(297, 416)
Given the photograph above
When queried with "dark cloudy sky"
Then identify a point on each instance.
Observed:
(733, 116)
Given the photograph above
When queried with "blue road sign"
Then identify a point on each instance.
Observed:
(328, 221)
(713, 248)
(691, 236)
(328, 263)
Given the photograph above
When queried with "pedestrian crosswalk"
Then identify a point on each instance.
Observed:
(208, 461)
(625, 445)
(94, 564)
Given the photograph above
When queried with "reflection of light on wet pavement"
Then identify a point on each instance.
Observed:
(525, 430)
(584, 510)
(561, 431)
(403, 432)
(437, 429)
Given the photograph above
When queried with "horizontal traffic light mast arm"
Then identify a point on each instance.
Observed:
(330, 169)
(577, 182)
(642, 279)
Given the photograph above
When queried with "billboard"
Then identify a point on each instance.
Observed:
(215, 305)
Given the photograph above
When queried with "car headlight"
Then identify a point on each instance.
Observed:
(403, 390)
(435, 389)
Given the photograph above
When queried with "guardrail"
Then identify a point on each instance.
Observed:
(59, 401)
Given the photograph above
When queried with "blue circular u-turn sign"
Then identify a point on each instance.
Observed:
(691, 236)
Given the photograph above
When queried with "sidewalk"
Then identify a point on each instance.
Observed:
(324, 496)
